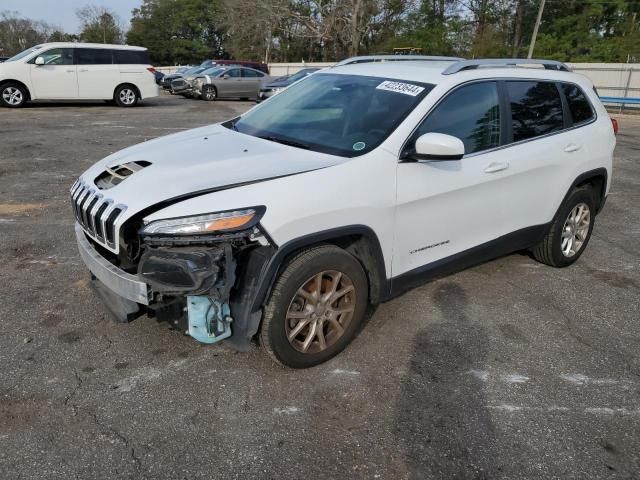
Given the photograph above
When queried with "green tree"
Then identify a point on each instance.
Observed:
(99, 25)
(178, 31)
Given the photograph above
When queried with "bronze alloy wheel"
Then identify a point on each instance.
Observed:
(320, 312)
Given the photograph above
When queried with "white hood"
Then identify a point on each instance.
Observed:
(199, 160)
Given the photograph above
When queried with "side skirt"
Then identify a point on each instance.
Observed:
(512, 242)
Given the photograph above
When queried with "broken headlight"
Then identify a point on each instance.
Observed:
(231, 221)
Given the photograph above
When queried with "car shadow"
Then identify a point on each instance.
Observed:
(442, 419)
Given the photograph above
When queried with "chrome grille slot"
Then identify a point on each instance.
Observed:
(97, 215)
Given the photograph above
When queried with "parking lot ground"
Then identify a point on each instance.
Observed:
(509, 370)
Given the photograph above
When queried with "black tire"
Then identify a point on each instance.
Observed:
(13, 95)
(209, 93)
(126, 96)
(549, 250)
(299, 272)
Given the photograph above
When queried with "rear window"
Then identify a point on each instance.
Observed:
(536, 109)
(579, 106)
(94, 56)
(131, 57)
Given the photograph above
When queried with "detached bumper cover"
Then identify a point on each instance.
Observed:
(118, 281)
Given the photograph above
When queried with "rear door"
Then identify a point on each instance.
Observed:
(251, 82)
(57, 78)
(98, 77)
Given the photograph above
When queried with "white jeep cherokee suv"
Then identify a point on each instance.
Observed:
(348, 188)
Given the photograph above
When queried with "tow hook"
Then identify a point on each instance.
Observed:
(209, 319)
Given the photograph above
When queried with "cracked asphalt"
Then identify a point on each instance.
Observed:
(507, 370)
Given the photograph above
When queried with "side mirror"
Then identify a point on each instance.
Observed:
(437, 146)
(39, 61)
(225, 76)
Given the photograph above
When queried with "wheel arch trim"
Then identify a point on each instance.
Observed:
(375, 272)
(22, 84)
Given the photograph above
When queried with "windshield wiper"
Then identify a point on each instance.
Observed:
(284, 141)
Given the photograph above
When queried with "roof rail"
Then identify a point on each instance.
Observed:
(506, 62)
(395, 58)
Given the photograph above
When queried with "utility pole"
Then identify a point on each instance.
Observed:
(535, 29)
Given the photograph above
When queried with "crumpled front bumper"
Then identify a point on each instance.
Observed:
(117, 281)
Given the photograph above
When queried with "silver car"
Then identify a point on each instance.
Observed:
(229, 82)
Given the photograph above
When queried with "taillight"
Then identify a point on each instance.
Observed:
(614, 122)
(151, 69)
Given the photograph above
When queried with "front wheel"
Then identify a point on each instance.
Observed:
(13, 95)
(570, 231)
(316, 307)
(126, 96)
(209, 93)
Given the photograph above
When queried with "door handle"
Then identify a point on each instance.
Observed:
(496, 167)
(83, 70)
(572, 147)
(70, 71)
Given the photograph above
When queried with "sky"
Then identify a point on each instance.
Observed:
(63, 12)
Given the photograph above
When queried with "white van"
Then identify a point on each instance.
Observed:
(77, 71)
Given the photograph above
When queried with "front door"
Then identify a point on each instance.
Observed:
(57, 78)
(447, 207)
(230, 84)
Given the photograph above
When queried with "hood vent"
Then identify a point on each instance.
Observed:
(115, 175)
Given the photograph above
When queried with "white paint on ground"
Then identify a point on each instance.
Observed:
(339, 371)
(144, 374)
(555, 408)
(286, 410)
(7, 220)
(580, 379)
(482, 375)
(515, 378)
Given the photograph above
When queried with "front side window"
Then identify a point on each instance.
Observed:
(94, 56)
(579, 106)
(234, 73)
(536, 109)
(345, 115)
(56, 56)
(470, 113)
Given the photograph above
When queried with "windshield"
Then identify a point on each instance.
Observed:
(193, 70)
(301, 74)
(346, 115)
(24, 53)
(215, 71)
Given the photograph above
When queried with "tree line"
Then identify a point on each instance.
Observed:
(186, 31)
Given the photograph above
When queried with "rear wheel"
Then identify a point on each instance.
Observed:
(13, 95)
(209, 93)
(316, 307)
(570, 231)
(126, 96)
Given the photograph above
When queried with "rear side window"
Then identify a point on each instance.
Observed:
(579, 106)
(471, 113)
(94, 56)
(251, 73)
(536, 109)
(131, 57)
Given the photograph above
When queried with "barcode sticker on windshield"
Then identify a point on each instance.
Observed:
(400, 87)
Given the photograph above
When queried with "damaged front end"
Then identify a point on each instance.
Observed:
(197, 273)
